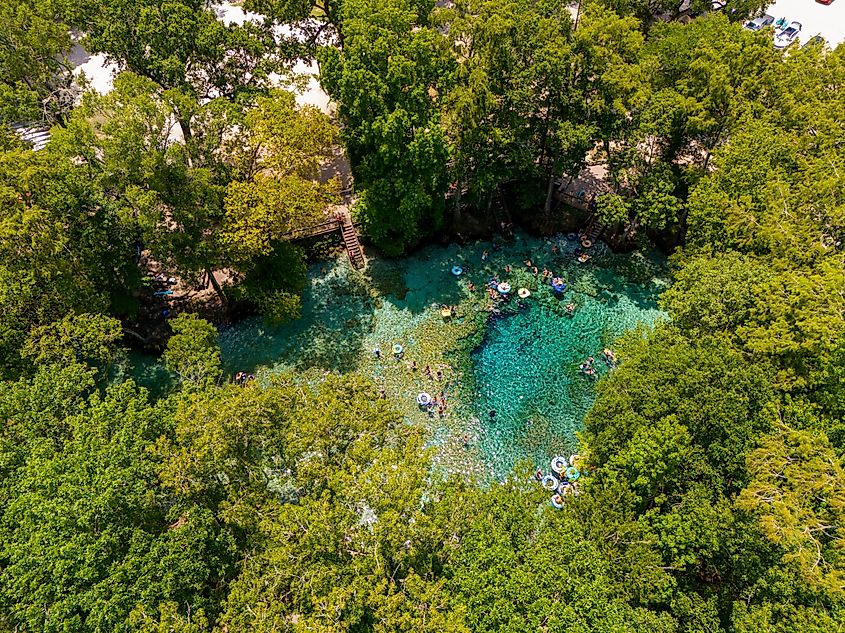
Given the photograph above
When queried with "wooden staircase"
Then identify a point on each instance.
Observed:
(594, 229)
(500, 213)
(353, 244)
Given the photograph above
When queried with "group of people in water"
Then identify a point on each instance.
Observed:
(588, 366)
(437, 403)
(242, 378)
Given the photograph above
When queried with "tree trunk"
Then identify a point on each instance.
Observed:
(126, 330)
(216, 285)
(185, 126)
(457, 217)
(549, 195)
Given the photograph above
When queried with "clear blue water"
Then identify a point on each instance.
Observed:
(528, 369)
(522, 363)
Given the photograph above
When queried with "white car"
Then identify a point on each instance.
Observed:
(759, 23)
(785, 37)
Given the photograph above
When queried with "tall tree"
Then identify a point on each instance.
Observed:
(387, 81)
(797, 492)
(36, 80)
(181, 45)
(512, 111)
(192, 351)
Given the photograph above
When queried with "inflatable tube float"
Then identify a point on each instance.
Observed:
(457, 271)
(558, 284)
(524, 293)
(550, 482)
(504, 287)
(423, 399)
(557, 501)
(572, 473)
(559, 464)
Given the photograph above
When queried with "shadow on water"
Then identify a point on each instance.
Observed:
(418, 280)
(147, 372)
(337, 313)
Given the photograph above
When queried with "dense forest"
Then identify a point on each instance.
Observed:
(716, 495)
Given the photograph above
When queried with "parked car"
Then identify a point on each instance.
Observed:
(816, 40)
(759, 23)
(788, 35)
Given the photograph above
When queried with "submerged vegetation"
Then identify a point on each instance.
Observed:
(715, 499)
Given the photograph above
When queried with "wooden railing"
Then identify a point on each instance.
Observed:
(348, 231)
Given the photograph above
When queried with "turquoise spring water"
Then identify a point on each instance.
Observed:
(520, 361)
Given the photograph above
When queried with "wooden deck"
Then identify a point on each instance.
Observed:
(342, 223)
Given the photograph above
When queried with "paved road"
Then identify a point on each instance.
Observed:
(815, 18)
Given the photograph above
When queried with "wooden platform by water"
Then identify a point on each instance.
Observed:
(341, 222)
